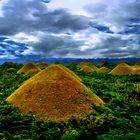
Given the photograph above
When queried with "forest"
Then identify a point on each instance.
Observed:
(117, 119)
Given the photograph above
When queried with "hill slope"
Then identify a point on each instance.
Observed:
(54, 93)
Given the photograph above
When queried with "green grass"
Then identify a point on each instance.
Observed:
(119, 119)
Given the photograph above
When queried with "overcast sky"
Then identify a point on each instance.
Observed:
(73, 28)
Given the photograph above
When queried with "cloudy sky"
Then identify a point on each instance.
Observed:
(73, 28)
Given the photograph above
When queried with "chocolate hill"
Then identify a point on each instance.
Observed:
(103, 64)
(87, 68)
(122, 68)
(32, 72)
(136, 66)
(69, 71)
(136, 71)
(29, 68)
(54, 93)
(103, 69)
(82, 64)
(42, 65)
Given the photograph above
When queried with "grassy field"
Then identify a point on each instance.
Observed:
(118, 119)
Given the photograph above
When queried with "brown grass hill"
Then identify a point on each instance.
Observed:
(54, 94)
(136, 66)
(28, 67)
(103, 69)
(81, 64)
(136, 71)
(122, 68)
(87, 69)
(123, 64)
(94, 67)
(103, 64)
(87, 66)
(32, 72)
(69, 71)
(42, 65)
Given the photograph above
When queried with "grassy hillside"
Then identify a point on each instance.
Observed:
(119, 119)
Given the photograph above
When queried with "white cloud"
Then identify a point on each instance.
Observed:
(23, 37)
(114, 13)
(10, 56)
(2, 2)
(53, 31)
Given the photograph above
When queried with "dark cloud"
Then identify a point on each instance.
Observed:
(101, 28)
(30, 16)
(115, 14)
(119, 47)
(53, 45)
(132, 26)
(113, 30)
(2, 38)
(46, 1)
(10, 48)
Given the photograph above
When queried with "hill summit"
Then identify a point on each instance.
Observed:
(42, 65)
(103, 69)
(87, 66)
(122, 68)
(136, 71)
(54, 93)
(29, 68)
(87, 69)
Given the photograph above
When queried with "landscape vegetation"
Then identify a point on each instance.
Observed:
(82, 101)
(70, 70)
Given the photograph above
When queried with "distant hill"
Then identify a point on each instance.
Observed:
(37, 58)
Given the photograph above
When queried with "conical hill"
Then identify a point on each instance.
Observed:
(69, 71)
(82, 64)
(103, 69)
(122, 68)
(136, 71)
(136, 66)
(54, 93)
(123, 64)
(32, 72)
(42, 65)
(27, 67)
(87, 69)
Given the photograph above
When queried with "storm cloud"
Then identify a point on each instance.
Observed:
(109, 29)
(30, 16)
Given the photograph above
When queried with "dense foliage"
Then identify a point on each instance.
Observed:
(119, 119)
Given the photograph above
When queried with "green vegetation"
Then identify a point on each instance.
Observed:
(119, 119)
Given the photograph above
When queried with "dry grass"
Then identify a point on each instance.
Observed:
(136, 71)
(103, 64)
(136, 66)
(69, 71)
(27, 67)
(87, 66)
(103, 69)
(82, 64)
(42, 65)
(87, 69)
(32, 72)
(122, 68)
(54, 93)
